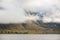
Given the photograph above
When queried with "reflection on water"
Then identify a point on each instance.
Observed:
(28, 37)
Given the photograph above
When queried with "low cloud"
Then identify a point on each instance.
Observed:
(13, 10)
(49, 9)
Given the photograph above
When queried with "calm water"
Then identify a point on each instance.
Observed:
(28, 37)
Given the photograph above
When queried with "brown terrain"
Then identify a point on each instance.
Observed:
(28, 28)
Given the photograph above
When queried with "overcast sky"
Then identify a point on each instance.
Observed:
(12, 11)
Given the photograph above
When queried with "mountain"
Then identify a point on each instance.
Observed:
(50, 25)
(29, 27)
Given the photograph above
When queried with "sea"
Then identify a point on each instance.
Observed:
(29, 37)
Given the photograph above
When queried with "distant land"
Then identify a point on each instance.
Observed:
(30, 27)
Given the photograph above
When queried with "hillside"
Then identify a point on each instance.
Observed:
(30, 27)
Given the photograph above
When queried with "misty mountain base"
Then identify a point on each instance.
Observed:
(29, 28)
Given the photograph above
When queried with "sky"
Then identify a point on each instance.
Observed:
(13, 10)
